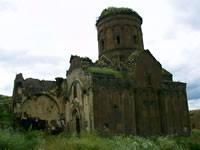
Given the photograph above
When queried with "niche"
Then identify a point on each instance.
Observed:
(102, 44)
(135, 39)
(75, 90)
(115, 106)
(118, 40)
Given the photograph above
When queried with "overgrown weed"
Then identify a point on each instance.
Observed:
(38, 140)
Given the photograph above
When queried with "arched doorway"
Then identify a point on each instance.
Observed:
(76, 127)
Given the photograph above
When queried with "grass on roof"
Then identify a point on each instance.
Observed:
(107, 71)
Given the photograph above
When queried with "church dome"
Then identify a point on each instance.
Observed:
(111, 11)
(119, 33)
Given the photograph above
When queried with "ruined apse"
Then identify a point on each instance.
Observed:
(126, 91)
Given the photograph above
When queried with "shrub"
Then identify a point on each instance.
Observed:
(10, 140)
(5, 112)
(192, 143)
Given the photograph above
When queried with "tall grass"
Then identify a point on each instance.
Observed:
(192, 143)
(36, 140)
(10, 140)
(140, 143)
(6, 119)
(84, 141)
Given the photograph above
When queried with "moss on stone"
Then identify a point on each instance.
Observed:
(107, 71)
(114, 10)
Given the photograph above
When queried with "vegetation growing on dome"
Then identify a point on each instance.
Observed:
(114, 10)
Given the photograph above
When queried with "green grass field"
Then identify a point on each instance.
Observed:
(36, 140)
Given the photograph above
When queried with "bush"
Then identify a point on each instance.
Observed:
(5, 112)
(10, 140)
(192, 143)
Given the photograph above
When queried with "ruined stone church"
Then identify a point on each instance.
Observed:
(126, 91)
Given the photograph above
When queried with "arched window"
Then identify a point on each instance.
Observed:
(76, 121)
(193, 126)
(102, 44)
(135, 39)
(76, 90)
(118, 39)
(148, 79)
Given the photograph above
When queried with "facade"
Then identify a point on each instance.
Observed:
(126, 91)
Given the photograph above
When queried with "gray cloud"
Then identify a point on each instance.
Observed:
(22, 61)
(40, 67)
(8, 87)
(184, 74)
(194, 104)
(23, 58)
(170, 34)
(6, 6)
(194, 90)
(193, 85)
(187, 12)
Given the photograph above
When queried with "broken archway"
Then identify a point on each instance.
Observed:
(40, 112)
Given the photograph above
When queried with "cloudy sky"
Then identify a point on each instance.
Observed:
(37, 37)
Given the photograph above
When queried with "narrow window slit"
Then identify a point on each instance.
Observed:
(102, 44)
(118, 39)
(75, 91)
(135, 39)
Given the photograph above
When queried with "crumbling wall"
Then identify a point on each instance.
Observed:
(78, 108)
(39, 104)
(195, 119)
